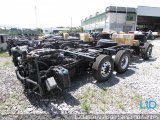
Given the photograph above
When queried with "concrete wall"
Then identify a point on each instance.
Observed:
(121, 21)
(114, 22)
(118, 22)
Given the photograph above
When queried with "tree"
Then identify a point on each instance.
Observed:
(15, 31)
(39, 31)
(33, 32)
(74, 30)
(79, 29)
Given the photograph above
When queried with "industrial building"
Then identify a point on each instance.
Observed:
(125, 19)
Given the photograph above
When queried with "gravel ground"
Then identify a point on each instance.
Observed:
(121, 94)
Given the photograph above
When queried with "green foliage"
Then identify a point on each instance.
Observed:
(16, 31)
(74, 30)
(32, 32)
(136, 99)
(120, 105)
(79, 29)
(7, 63)
(4, 55)
(86, 106)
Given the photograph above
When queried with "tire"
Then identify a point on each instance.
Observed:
(98, 68)
(66, 46)
(146, 51)
(15, 61)
(122, 61)
(152, 37)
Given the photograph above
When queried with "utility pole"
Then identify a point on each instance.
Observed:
(5, 29)
(71, 24)
(36, 17)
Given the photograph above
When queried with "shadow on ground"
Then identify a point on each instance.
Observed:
(128, 73)
(48, 103)
(57, 99)
(136, 60)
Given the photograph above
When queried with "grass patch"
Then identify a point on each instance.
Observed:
(13, 100)
(7, 63)
(4, 54)
(100, 98)
(85, 105)
(88, 94)
(102, 108)
(106, 99)
(136, 99)
(120, 105)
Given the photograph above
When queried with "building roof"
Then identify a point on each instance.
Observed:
(148, 11)
(120, 9)
(112, 9)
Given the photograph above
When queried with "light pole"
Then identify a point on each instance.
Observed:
(71, 24)
(5, 30)
(36, 17)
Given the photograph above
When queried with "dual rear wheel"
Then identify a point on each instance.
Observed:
(104, 65)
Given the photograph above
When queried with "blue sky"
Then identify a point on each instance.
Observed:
(52, 13)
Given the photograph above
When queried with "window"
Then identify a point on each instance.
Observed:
(131, 17)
